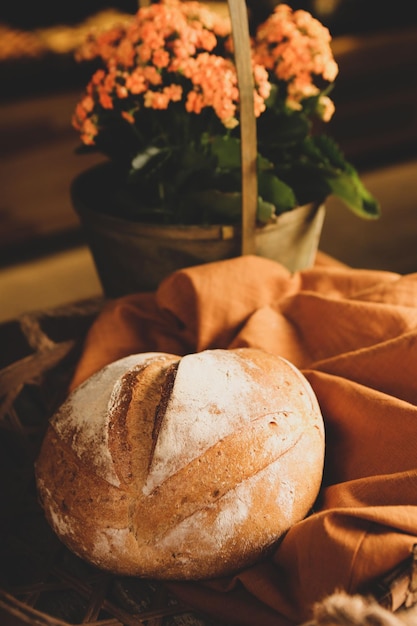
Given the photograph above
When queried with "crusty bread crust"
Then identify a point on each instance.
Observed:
(182, 467)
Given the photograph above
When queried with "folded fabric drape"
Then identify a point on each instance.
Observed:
(353, 333)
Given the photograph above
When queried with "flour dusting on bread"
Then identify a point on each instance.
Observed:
(207, 387)
(182, 467)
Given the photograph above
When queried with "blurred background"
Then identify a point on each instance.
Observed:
(43, 257)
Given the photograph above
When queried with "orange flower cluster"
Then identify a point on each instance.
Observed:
(295, 47)
(163, 104)
(147, 60)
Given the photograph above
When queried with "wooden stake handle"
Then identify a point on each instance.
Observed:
(241, 41)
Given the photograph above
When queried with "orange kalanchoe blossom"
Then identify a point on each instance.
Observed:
(163, 104)
(151, 56)
(295, 47)
(171, 40)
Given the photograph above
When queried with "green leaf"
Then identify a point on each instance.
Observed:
(143, 158)
(264, 164)
(266, 211)
(275, 191)
(324, 149)
(227, 150)
(342, 179)
(350, 189)
(147, 162)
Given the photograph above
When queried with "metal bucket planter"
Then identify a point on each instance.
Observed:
(132, 256)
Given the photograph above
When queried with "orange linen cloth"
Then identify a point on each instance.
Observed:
(353, 333)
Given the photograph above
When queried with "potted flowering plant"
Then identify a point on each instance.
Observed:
(163, 106)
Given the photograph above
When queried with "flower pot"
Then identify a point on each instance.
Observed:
(132, 256)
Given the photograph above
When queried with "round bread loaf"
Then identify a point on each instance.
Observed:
(189, 467)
